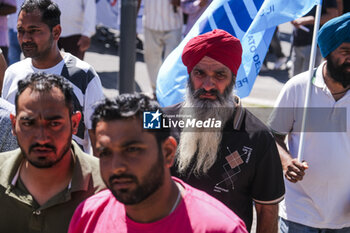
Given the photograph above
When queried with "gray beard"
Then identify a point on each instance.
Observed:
(199, 146)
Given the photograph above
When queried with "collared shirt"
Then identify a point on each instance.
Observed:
(160, 15)
(248, 167)
(21, 213)
(321, 199)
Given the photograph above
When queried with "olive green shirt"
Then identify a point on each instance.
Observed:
(20, 213)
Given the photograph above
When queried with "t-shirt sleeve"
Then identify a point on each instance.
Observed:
(94, 94)
(268, 186)
(281, 119)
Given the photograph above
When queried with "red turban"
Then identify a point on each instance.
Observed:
(217, 44)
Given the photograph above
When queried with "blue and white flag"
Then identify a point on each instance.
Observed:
(253, 22)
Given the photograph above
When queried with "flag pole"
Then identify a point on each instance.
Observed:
(308, 88)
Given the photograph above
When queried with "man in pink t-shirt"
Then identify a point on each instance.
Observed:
(142, 196)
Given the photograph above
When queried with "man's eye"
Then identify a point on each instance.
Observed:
(32, 31)
(104, 153)
(220, 76)
(27, 123)
(55, 123)
(198, 73)
(132, 149)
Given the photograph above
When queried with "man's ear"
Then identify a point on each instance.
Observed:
(56, 32)
(13, 123)
(169, 149)
(75, 118)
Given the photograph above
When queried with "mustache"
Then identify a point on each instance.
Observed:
(125, 176)
(345, 65)
(28, 44)
(46, 145)
(219, 97)
(201, 91)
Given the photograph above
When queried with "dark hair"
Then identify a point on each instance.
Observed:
(50, 13)
(127, 106)
(42, 82)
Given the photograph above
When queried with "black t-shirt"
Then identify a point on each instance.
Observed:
(248, 168)
(303, 38)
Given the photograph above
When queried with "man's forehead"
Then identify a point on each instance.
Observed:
(345, 45)
(208, 62)
(121, 131)
(32, 18)
(47, 100)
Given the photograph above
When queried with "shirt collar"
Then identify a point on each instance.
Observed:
(317, 78)
(238, 113)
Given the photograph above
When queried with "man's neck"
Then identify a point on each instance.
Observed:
(157, 206)
(50, 61)
(44, 183)
(336, 88)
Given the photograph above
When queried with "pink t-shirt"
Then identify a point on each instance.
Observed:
(197, 212)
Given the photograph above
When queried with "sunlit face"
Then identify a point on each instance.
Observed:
(338, 64)
(211, 77)
(34, 36)
(44, 127)
(131, 163)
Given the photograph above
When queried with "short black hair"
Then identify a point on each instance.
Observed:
(50, 12)
(43, 82)
(127, 106)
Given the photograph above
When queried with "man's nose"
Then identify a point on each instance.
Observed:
(118, 164)
(25, 37)
(208, 83)
(42, 135)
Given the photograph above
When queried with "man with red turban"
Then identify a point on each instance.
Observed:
(223, 149)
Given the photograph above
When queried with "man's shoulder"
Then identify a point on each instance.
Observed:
(20, 67)
(253, 125)
(298, 81)
(75, 63)
(99, 206)
(8, 160)
(8, 154)
(80, 73)
(98, 200)
(208, 208)
(172, 109)
(88, 167)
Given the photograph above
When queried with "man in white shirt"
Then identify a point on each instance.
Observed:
(38, 32)
(317, 189)
(162, 22)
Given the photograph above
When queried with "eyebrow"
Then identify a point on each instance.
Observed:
(24, 118)
(129, 143)
(126, 144)
(50, 118)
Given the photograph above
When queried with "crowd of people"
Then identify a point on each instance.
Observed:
(74, 161)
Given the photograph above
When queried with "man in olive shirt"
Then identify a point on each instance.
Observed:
(43, 182)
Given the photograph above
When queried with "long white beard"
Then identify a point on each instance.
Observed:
(203, 144)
